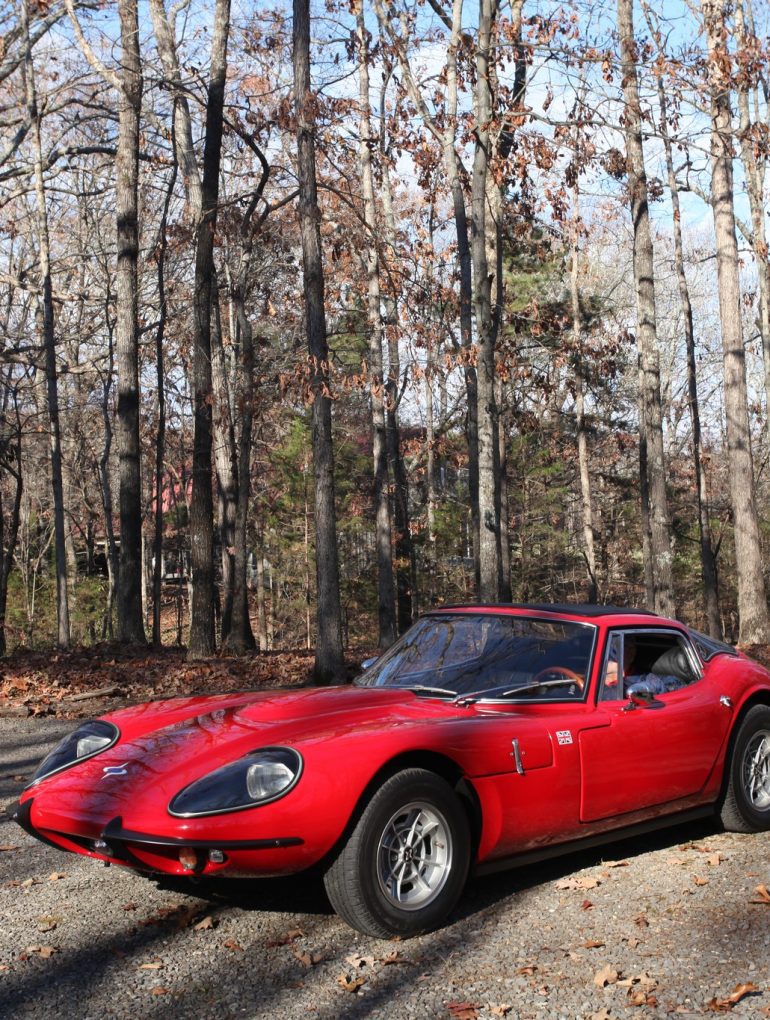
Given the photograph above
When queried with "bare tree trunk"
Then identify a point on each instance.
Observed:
(225, 461)
(202, 641)
(12, 466)
(489, 530)
(754, 161)
(644, 277)
(160, 376)
(708, 563)
(752, 597)
(386, 600)
(46, 322)
(589, 551)
(407, 591)
(329, 660)
(130, 621)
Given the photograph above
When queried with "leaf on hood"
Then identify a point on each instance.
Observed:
(725, 1005)
(608, 975)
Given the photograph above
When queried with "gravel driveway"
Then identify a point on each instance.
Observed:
(664, 925)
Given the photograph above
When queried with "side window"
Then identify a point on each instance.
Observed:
(653, 661)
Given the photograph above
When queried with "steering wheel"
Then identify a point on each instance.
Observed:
(570, 676)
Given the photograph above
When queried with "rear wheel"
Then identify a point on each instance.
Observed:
(746, 803)
(405, 863)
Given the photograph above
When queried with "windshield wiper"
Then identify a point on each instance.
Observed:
(526, 688)
(420, 689)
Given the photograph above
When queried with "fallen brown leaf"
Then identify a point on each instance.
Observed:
(502, 1010)
(606, 976)
(529, 970)
(350, 984)
(155, 965)
(206, 924)
(45, 952)
(602, 1014)
(616, 864)
(308, 959)
(715, 859)
(391, 959)
(763, 896)
(641, 921)
(357, 962)
(55, 876)
(578, 883)
(160, 990)
(592, 944)
(8, 847)
(586, 905)
(725, 1005)
(129, 906)
(464, 1010)
(700, 881)
(285, 940)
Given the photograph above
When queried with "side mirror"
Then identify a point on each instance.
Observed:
(640, 696)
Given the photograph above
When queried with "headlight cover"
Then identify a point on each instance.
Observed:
(87, 740)
(258, 778)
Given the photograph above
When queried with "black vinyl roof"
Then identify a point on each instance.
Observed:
(578, 609)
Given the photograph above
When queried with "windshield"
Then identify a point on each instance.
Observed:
(497, 655)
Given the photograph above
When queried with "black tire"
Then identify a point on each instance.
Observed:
(745, 806)
(404, 865)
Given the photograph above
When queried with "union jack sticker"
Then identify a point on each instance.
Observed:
(564, 736)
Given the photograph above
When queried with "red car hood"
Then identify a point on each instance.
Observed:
(164, 746)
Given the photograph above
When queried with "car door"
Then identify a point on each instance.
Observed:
(640, 755)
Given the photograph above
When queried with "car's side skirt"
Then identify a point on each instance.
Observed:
(610, 836)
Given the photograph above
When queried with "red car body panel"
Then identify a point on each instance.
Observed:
(584, 767)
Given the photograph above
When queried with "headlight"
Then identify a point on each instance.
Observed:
(257, 778)
(89, 739)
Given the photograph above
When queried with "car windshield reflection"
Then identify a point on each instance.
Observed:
(494, 656)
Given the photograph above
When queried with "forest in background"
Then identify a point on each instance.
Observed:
(314, 318)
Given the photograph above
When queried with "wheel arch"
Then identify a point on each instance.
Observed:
(761, 696)
(432, 761)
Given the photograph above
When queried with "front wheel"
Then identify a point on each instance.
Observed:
(746, 803)
(405, 863)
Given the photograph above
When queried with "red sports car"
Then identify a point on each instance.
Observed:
(485, 737)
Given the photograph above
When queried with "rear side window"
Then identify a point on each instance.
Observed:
(708, 647)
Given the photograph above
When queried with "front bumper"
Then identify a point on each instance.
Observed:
(152, 853)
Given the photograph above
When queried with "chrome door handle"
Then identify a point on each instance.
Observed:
(727, 702)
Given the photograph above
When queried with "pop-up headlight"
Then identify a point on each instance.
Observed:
(257, 778)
